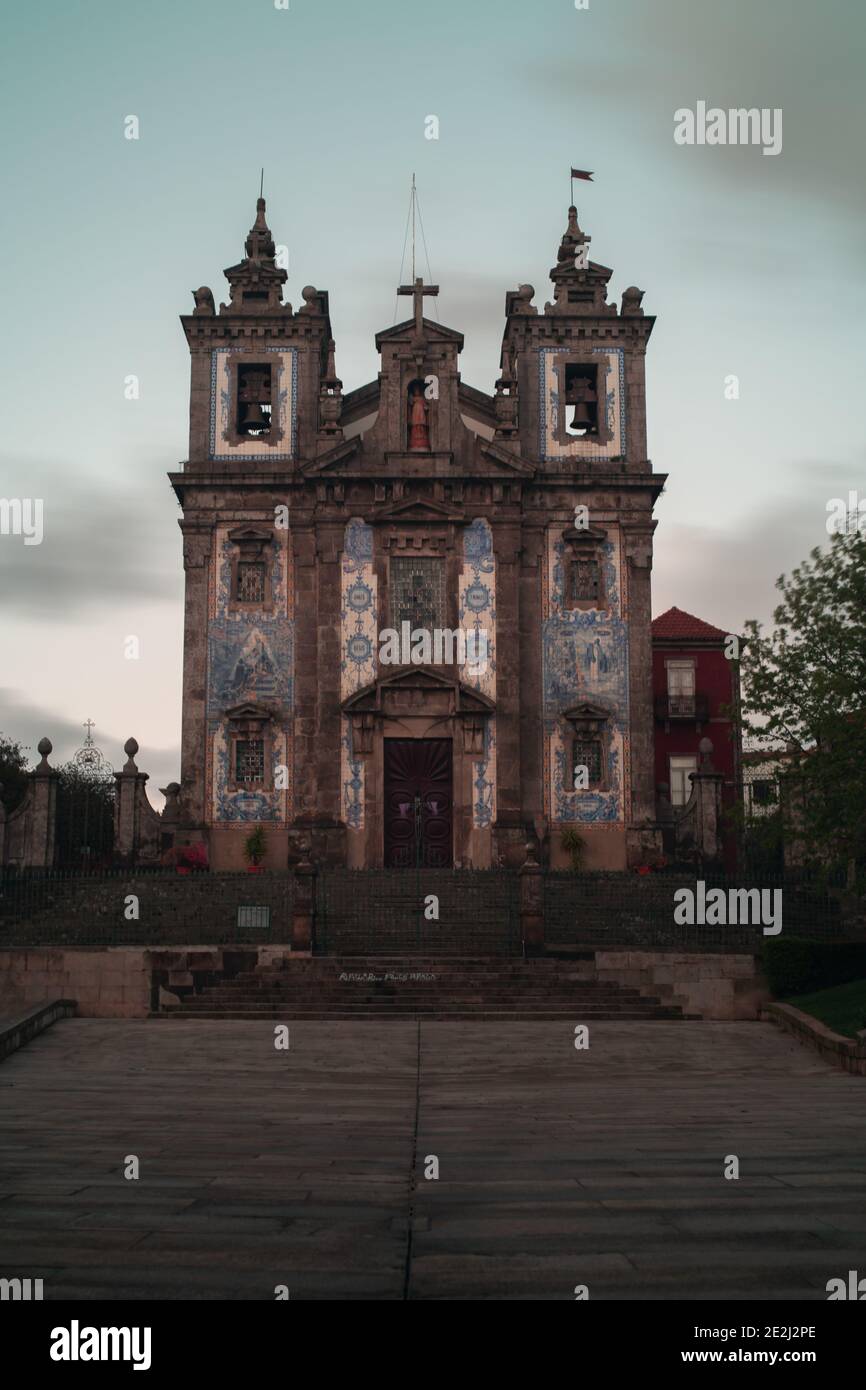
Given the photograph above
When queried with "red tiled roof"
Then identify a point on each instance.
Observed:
(675, 625)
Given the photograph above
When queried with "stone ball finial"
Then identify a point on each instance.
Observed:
(631, 300)
(310, 296)
(705, 745)
(130, 748)
(44, 746)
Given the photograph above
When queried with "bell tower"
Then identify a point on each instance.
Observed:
(573, 392)
(264, 396)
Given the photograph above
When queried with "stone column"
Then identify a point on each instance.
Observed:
(42, 812)
(197, 546)
(531, 881)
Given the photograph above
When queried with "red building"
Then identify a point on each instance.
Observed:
(696, 695)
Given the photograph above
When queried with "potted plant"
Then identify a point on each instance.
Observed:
(574, 844)
(255, 848)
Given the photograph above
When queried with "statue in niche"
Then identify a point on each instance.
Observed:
(419, 415)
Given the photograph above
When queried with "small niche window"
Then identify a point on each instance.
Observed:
(586, 752)
(250, 581)
(250, 762)
(584, 574)
(254, 399)
(581, 393)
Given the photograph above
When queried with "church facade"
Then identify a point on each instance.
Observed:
(417, 616)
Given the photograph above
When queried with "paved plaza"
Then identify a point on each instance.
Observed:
(306, 1167)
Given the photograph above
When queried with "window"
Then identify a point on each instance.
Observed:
(254, 399)
(581, 391)
(584, 579)
(681, 687)
(418, 593)
(586, 752)
(250, 587)
(763, 792)
(681, 787)
(250, 762)
(251, 917)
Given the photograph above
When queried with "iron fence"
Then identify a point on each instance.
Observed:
(144, 907)
(417, 912)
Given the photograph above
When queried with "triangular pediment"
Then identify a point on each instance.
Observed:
(419, 509)
(432, 332)
(589, 535)
(370, 698)
(585, 710)
(248, 710)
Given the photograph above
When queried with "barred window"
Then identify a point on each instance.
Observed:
(585, 578)
(250, 761)
(418, 592)
(251, 581)
(586, 752)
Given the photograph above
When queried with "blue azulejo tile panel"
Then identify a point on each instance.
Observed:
(585, 660)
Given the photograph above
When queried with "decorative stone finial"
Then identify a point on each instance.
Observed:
(130, 748)
(204, 300)
(631, 300)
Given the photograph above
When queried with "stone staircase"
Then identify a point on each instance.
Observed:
(376, 987)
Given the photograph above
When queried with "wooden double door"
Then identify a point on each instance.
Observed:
(418, 801)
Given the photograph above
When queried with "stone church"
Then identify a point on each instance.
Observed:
(417, 616)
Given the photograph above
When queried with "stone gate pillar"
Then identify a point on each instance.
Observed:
(41, 812)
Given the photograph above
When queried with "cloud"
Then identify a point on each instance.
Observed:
(726, 577)
(103, 545)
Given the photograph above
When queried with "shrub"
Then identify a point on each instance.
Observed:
(796, 965)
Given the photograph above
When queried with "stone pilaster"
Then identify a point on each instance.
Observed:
(508, 827)
(531, 677)
(638, 554)
(197, 548)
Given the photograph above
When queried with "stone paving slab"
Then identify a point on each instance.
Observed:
(556, 1167)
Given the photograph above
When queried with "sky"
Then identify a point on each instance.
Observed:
(752, 264)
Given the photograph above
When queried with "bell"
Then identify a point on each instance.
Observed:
(581, 419)
(255, 418)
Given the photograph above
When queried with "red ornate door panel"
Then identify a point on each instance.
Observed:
(418, 800)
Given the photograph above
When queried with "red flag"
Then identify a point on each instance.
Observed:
(581, 174)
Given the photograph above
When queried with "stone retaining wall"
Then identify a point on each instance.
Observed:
(129, 982)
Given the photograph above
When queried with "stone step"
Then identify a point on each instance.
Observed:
(380, 1015)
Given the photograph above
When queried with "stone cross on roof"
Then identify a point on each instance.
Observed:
(418, 291)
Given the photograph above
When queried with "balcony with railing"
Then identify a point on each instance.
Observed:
(683, 707)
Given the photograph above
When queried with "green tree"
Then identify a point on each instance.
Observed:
(13, 772)
(804, 689)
